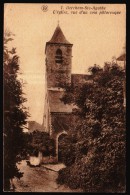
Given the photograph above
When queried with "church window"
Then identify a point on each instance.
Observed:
(58, 57)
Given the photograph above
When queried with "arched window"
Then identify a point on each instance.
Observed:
(58, 57)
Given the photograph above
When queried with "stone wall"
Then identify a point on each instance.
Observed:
(61, 122)
(58, 73)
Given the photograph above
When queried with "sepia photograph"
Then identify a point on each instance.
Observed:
(64, 92)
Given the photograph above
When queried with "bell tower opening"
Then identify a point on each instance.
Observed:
(58, 56)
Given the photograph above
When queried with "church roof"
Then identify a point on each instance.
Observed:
(58, 37)
(56, 105)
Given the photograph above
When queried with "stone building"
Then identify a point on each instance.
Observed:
(57, 115)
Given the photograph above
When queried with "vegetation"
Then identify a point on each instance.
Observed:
(39, 141)
(67, 152)
(99, 135)
(15, 113)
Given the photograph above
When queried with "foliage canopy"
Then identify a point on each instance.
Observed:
(15, 113)
(99, 164)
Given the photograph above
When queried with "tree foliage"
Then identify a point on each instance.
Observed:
(39, 141)
(99, 164)
(15, 113)
(66, 150)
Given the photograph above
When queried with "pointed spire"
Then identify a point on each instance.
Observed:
(58, 23)
(58, 36)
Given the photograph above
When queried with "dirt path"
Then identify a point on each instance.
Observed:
(38, 179)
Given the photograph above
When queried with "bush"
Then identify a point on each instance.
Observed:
(39, 141)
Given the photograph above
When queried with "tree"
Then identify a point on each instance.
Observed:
(100, 131)
(38, 141)
(15, 113)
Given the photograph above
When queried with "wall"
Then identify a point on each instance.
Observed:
(61, 122)
(57, 74)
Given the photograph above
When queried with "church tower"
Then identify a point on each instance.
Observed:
(58, 74)
(58, 60)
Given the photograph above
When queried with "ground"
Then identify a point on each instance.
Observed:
(39, 179)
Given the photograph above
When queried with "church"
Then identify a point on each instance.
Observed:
(57, 115)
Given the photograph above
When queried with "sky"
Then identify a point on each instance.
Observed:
(96, 38)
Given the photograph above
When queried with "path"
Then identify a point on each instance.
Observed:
(39, 179)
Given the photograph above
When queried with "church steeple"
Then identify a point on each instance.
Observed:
(58, 36)
(58, 60)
